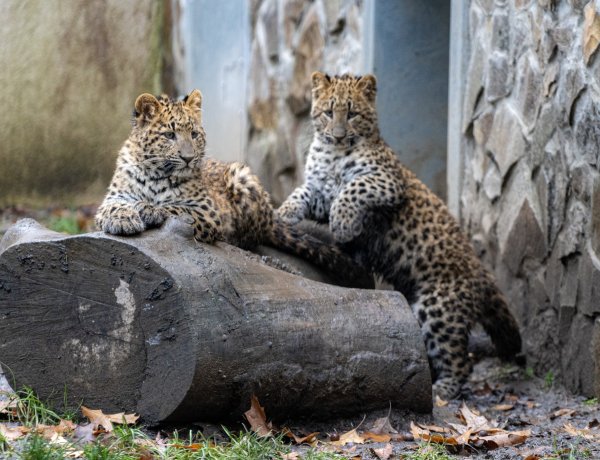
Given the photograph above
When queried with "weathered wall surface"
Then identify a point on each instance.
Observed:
(531, 189)
(70, 74)
(291, 39)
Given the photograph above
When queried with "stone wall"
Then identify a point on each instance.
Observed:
(70, 74)
(291, 39)
(531, 189)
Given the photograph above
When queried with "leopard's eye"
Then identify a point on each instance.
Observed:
(352, 114)
(194, 134)
(328, 113)
(169, 135)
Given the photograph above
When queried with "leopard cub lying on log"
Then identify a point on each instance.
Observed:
(161, 171)
(393, 224)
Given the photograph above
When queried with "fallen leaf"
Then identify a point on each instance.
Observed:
(426, 435)
(351, 436)
(583, 432)
(562, 413)
(310, 439)
(258, 419)
(290, 456)
(8, 406)
(12, 433)
(51, 431)
(503, 407)
(85, 434)
(513, 438)
(439, 402)
(376, 437)
(594, 424)
(99, 418)
(384, 453)
(473, 420)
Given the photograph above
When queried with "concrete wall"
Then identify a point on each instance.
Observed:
(69, 76)
(530, 195)
(212, 46)
(410, 60)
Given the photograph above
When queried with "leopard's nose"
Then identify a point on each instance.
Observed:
(339, 133)
(186, 157)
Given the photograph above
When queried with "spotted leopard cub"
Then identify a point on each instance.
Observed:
(393, 224)
(162, 170)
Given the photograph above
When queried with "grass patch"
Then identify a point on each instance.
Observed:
(429, 452)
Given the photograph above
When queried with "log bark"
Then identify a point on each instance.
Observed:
(176, 330)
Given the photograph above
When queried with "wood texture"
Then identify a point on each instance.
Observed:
(176, 330)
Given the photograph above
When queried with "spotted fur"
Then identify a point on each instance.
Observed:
(392, 223)
(162, 170)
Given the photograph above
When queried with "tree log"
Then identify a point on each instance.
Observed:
(176, 330)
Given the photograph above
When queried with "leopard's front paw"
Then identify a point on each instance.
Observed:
(152, 216)
(345, 223)
(120, 221)
(290, 212)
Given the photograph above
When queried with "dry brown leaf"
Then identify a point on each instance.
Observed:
(11, 433)
(84, 434)
(439, 402)
(426, 435)
(310, 439)
(99, 418)
(258, 419)
(290, 456)
(513, 438)
(384, 453)
(383, 426)
(562, 413)
(351, 436)
(503, 407)
(474, 420)
(435, 428)
(51, 431)
(583, 432)
(8, 406)
(377, 437)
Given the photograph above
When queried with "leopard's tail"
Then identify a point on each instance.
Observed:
(499, 323)
(297, 241)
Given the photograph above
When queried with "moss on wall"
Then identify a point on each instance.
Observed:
(70, 73)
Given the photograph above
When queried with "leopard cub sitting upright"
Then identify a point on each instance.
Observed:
(394, 225)
(162, 170)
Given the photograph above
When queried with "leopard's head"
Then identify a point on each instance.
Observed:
(343, 108)
(169, 135)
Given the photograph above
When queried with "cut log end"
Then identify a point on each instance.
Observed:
(177, 330)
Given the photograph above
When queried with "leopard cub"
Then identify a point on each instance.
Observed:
(162, 170)
(384, 216)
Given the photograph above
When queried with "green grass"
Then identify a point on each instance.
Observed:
(67, 224)
(37, 448)
(591, 402)
(549, 380)
(429, 452)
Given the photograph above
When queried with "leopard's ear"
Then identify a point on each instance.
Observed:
(146, 108)
(368, 86)
(194, 100)
(320, 82)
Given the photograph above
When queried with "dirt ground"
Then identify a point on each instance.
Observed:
(557, 424)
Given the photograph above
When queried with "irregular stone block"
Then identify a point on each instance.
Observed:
(498, 77)
(308, 52)
(570, 238)
(587, 130)
(492, 182)
(589, 283)
(500, 31)
(595, 217)
(578, 370)
(572, 83)
(525, 238)
(474, 85)
(591, 32)
(528, 89)
(506, 141)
